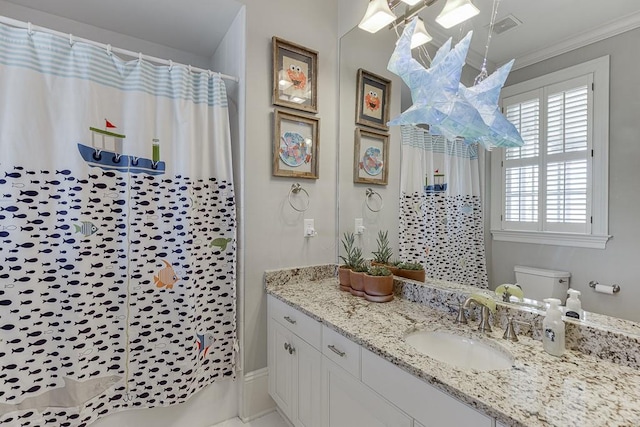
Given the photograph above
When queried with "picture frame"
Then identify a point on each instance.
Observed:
(372, 100)
(296, 142)
(295, 82)
(371, 157)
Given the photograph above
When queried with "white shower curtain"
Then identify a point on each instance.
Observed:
(441, 222)
(117, 231)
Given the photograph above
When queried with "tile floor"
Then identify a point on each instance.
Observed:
(270, 420)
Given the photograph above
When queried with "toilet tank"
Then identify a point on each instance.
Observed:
(538, 283)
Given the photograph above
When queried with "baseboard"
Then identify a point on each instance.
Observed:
(254, 396)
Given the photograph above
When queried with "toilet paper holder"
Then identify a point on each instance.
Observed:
(615, 287)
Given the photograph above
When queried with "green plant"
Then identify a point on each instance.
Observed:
(410, 266)
(384, 252)
(353, 255)
(360, 268)
(378, 270)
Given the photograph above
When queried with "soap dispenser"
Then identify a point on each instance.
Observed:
(574, 306)
(553, 329)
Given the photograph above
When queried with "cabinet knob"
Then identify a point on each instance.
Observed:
(290, 320)
(289, 348)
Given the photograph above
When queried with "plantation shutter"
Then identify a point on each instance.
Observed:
(567, 189)
(521, 164)
(547, 181)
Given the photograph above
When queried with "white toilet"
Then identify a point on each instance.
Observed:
(538, 283)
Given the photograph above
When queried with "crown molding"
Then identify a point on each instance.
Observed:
(603, 32)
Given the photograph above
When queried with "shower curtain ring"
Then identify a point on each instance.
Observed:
(109, 49)
(29, 28)
(370, 193)
(71, 39)
(295, 189)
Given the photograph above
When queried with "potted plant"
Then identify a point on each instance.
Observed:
(411, 270)
(384, 252)
(378, 284)
(357, 278)
(352, 258)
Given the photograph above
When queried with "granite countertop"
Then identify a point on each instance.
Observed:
(539, 390)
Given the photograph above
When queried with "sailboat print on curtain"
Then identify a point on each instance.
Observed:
(116, 291)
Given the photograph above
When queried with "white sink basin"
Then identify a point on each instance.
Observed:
(462, 352)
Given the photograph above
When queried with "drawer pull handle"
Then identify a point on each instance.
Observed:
(336, 351)
(290, 320)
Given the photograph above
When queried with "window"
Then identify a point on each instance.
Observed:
(554, 189)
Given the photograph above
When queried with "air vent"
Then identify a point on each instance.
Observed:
(505, 24)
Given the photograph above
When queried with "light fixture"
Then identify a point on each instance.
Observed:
(420, 35)
(412, 2)
(377, 16)
(455, 12)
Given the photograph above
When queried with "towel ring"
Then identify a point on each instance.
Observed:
(370, 193)
(295, 189)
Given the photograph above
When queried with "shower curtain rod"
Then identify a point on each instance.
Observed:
(31, 28)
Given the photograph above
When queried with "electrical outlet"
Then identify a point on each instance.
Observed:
(309, 228)
(359, 226)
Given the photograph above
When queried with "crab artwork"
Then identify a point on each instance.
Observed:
(297, 76)
(372, 101)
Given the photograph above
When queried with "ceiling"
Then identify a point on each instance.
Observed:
(194, 26)
(549, 27)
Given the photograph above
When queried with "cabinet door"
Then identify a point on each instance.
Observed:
(307, 379)
(281, 367)
(348, 403)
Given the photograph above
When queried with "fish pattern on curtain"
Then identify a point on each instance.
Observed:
(117, 232)
(441, 222)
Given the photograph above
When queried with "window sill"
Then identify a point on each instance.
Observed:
(549, 238)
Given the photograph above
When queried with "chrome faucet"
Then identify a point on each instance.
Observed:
(484, 326)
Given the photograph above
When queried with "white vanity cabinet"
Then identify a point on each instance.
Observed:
(318, 377)
(294, 363)
(347, 402)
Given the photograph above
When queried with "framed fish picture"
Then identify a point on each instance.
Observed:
(371, 157)
(372, 102)
(296, 144)
(295, 83)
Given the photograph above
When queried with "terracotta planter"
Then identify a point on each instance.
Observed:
(392, 269)
(378, 288)
(344, 277)
(357, 283)
(418, 275)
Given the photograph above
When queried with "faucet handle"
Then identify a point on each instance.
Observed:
(462, 317)
(510, 332)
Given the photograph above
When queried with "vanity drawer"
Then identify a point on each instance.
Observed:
(423, 402)
(342, 351)
(300, 324)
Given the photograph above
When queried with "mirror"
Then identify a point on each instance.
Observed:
(613, 265)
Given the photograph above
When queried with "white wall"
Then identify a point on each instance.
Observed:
(356, 52)
(273, 230)
(618, 262)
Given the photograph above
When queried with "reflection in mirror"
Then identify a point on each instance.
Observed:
(615, 263)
